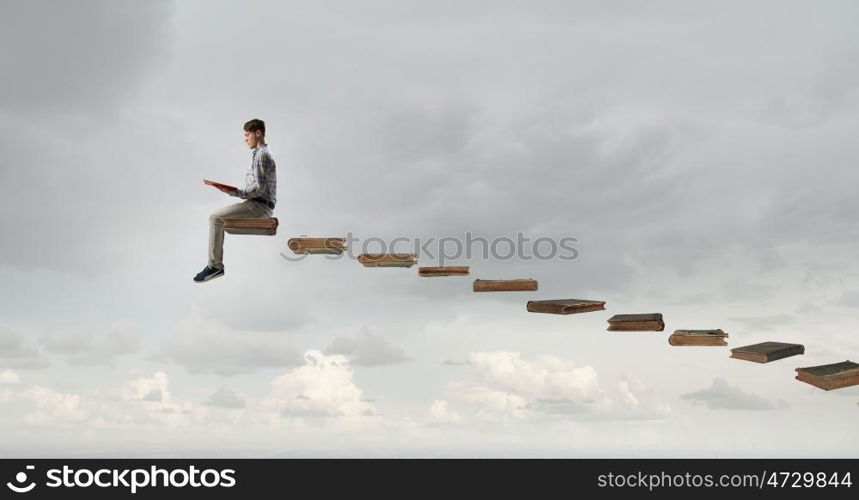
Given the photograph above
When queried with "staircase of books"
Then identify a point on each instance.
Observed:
(826, 377)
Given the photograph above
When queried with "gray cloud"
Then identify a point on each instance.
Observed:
(366, 349)
(225, 397)
(205, 346)
(15, 353)
(764, 323)
(723, 396)
(154, 396)
(91, 346)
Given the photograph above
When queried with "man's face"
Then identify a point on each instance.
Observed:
(253, 139)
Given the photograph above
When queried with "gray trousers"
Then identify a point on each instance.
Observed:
(247, 208)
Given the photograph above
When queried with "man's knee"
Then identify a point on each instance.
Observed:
(215, 219)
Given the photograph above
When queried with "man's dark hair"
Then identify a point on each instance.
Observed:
(254, 125)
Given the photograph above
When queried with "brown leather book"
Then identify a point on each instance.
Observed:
(443, 271)
(387, 259)
(767, 351)
(698, 337)
(317, 245)
(517, 285)
(636, 322)
(564, 306)
(828, 377)
(266, 226)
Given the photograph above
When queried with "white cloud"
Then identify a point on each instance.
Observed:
(8, 377)
(323, 387)
(440, 412)
(507, 386)
(52, 406)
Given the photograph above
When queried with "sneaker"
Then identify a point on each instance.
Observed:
(209, 273)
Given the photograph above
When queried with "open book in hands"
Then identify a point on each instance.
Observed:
(223, 187)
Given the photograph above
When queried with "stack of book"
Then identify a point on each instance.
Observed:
(828, 377)
(564, 306)
(636, 322)
(767, 351)
(517, 285)
(266, 226)
(698, 337)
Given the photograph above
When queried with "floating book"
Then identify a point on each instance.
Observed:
(518, 285)
(564, 306)
(317, 245)
(636, 322)
(219, 185)
(830, 377)
(443, 271)
(263, 226)
(698, 337)
(387, 259)
(767, 351)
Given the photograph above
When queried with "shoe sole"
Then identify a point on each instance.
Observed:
(209, 277)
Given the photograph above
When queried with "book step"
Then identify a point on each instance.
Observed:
(698, 338)
(564, 306)
(330, 245)
(443, 271)
(265, 226)
(832, 376)
(767, 351)
(514, 285)
(387, 259)
(636, 322)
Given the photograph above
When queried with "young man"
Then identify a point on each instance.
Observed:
(259, 193)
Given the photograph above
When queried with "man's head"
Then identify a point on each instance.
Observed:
(254, 133)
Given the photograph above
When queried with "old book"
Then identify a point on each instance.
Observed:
(767, 351)
(387, 259)
(317, 245)
(219, 185)
(564, 306)
(636, 322)
(517, 285)
(264, 226)
(443, 271)
(698, 337)
(830, 377)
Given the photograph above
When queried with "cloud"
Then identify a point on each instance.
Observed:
(88, 64)
(440, 412)
(149, 400)
(206, 346)
(8, 377)
(764, 323)
(323, 387)
(225, 397)
(366, 349)
(92, 346)
(52, 406)
(506, 386)
(723, 396)
(15, 354)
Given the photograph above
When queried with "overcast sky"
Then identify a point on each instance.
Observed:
(703, 155)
